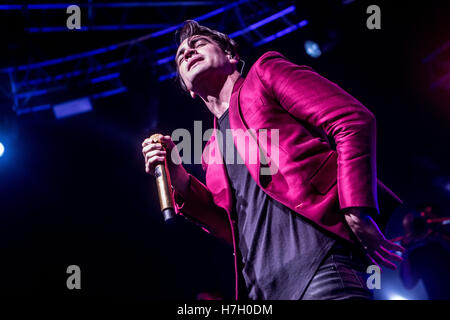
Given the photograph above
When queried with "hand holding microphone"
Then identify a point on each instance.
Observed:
(168, 170)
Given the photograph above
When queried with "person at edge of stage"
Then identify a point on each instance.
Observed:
(427, 251)
(306, 230)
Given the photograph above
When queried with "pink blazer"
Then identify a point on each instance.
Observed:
(311, 178)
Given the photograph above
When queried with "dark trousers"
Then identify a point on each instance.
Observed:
(342, 275)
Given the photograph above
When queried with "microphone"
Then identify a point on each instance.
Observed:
(162, 184)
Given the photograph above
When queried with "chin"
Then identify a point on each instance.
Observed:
(198, 75)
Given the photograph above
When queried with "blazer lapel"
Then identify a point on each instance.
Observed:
(244, 138)
(246, 142)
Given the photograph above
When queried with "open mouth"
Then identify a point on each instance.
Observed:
(193, 62)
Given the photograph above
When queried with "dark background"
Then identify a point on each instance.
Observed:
(74, 191)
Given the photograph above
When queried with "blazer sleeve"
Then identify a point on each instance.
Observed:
(198, 204)
(312, 98)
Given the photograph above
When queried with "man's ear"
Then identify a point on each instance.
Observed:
(192, 93)
(232, 57)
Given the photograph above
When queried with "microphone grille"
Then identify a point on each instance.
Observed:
(156, 137)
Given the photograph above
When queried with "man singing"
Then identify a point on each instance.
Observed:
(305, 230)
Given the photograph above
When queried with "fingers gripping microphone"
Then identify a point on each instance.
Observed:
(163, 185)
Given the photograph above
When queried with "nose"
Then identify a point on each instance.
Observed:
(188, 53)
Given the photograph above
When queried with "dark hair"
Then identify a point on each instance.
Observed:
(191, 28)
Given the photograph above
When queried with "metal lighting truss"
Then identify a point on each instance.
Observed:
(36, 86)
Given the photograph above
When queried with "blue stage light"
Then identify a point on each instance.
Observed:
(312, 49)
(115, 46)
(281, 33)
(447, 187)
(2, 149)
(396, 297)
(262, 22)
(106, 77)
(247, 29)
(71, 108)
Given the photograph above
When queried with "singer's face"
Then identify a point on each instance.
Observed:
(199, 60)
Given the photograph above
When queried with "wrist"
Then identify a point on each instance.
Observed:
(357, 219)
(358, 213)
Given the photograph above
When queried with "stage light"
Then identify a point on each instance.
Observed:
(111, 47)
(312, 49)
(2, 149)
(71, 108)
(447, 187)
(396, 297)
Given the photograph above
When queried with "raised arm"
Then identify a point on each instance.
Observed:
(192, 198)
